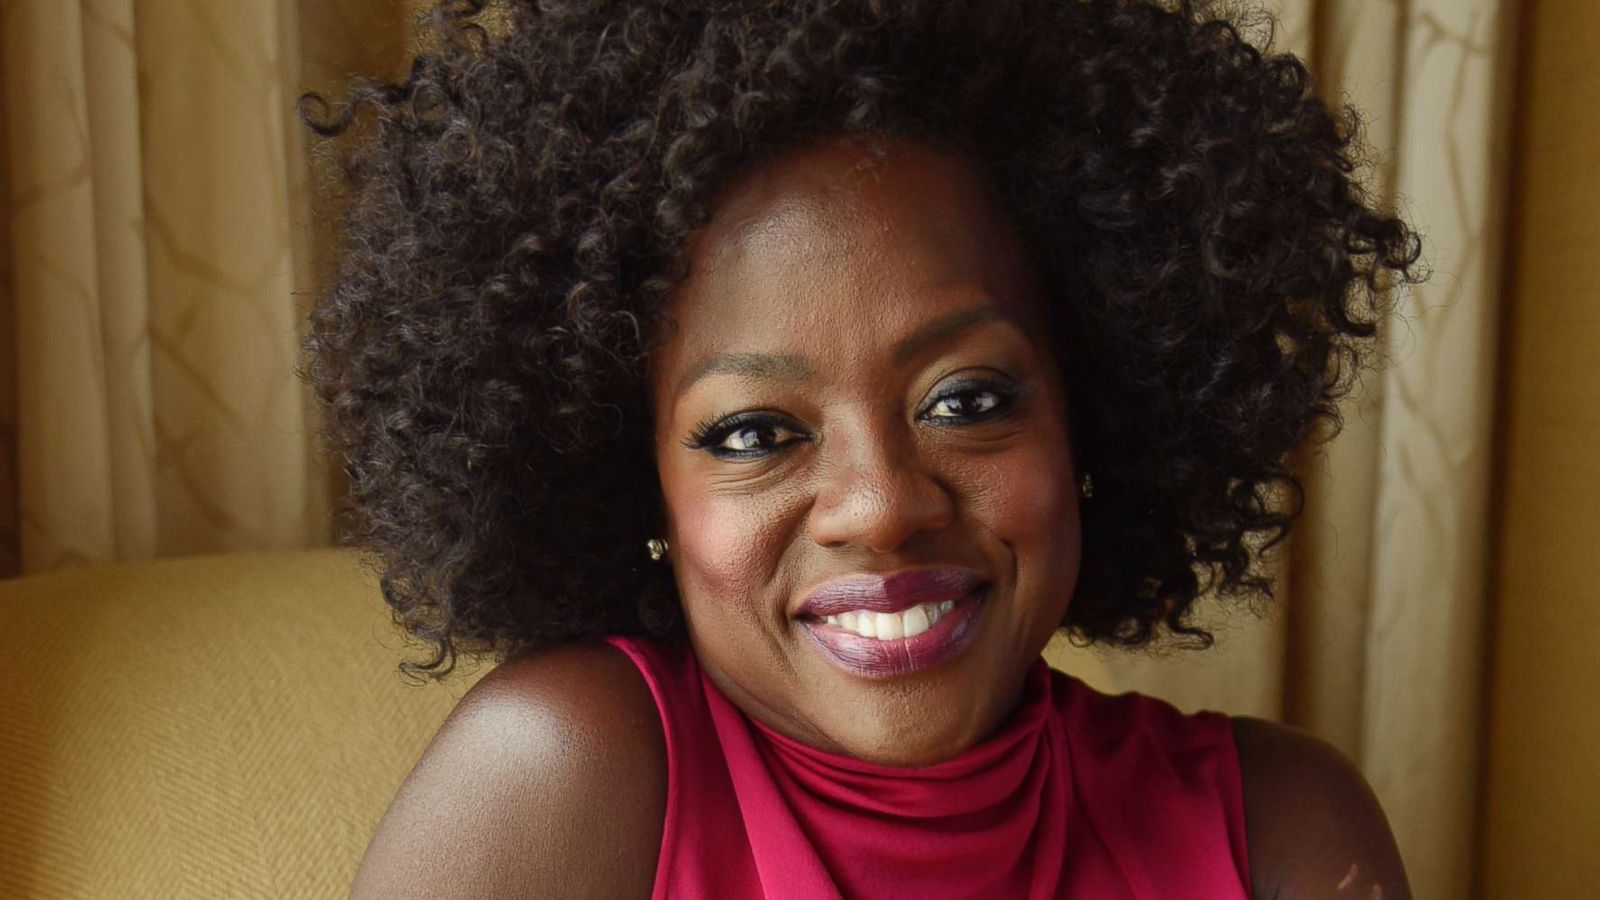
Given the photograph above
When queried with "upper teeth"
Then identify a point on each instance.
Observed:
(889, 626)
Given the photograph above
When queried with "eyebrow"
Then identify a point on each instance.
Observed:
(784, 367)
(750, 365)
(940, 330)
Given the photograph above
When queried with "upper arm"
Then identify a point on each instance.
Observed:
(548, 779)
(1315, 829)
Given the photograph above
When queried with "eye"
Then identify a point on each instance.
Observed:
(742, 436)
(969, 401)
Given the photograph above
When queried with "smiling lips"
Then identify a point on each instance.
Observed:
(879, 626)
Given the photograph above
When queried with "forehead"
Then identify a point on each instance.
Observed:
(841, 245)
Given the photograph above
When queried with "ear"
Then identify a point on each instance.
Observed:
(1314, 827)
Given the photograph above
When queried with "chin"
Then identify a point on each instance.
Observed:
(916, 720)
(907, 743)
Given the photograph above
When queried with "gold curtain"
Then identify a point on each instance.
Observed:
(163, 244)
(1541, 815)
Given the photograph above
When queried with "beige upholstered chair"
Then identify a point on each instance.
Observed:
(205, 727)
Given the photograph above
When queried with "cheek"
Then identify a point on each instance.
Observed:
(723, 547)
(1032, 506)
(1028, 498)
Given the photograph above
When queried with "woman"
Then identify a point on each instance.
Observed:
(765, 382)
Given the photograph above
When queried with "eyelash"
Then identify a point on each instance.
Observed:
(709, 434)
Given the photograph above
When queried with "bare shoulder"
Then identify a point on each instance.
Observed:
(1314, 826)
(548, 779)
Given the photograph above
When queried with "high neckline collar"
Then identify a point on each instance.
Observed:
(988, 774)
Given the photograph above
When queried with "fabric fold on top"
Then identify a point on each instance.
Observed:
(992, 820)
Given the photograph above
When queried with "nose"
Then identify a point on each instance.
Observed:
(877, 494)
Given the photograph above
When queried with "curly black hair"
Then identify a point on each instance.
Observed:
(516, 213)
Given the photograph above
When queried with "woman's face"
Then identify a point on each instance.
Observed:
(858, 386)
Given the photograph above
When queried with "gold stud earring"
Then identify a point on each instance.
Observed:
(1086, 486)
(657, 548)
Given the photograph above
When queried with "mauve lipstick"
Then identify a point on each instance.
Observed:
(895, 592)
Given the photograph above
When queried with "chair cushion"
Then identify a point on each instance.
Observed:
(217, 726)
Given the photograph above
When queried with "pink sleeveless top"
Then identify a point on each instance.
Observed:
(1079, 794)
